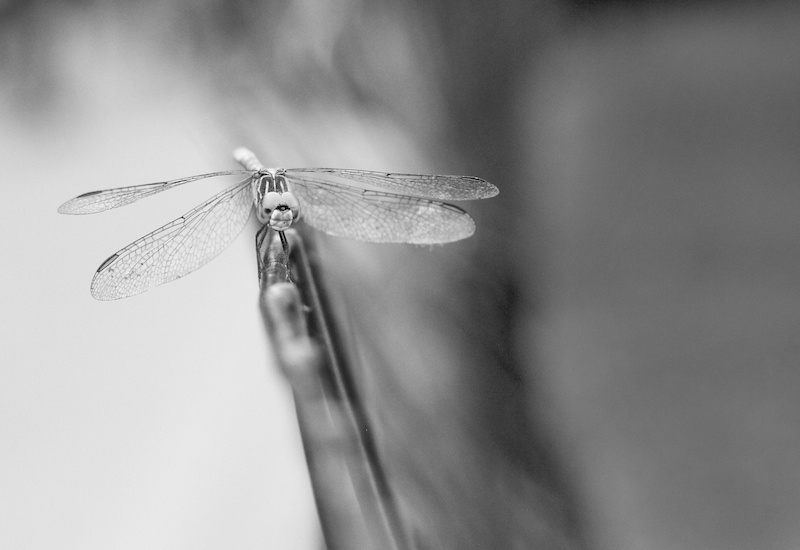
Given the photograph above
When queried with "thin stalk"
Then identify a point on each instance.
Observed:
(354, 500)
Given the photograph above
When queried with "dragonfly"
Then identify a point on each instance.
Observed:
(359, 204)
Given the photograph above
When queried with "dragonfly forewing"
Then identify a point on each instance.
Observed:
(439, 187)
(98, 201)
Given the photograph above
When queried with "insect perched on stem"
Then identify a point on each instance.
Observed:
(359, 204)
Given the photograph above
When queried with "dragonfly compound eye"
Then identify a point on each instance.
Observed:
(292, 203)
(269, 203)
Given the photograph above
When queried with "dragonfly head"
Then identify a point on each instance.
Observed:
(275, 204)
(279, 210)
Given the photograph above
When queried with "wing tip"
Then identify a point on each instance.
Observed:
(491, 190)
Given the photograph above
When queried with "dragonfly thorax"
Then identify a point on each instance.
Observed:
(275, 204)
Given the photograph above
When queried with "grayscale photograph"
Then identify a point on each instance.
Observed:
(400, 275)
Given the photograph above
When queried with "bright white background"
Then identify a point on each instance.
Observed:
(159, 421)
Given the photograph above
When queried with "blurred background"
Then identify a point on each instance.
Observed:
(610, 362)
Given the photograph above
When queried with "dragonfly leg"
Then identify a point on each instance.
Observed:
(284, 242)
(285, 245)
(260, 236)
(267, 256)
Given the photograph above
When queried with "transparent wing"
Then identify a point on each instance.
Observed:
(453, 188)
(97, 201)
(177, 248)
(376, 216)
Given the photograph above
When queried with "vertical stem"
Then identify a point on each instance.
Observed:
(354, 499)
